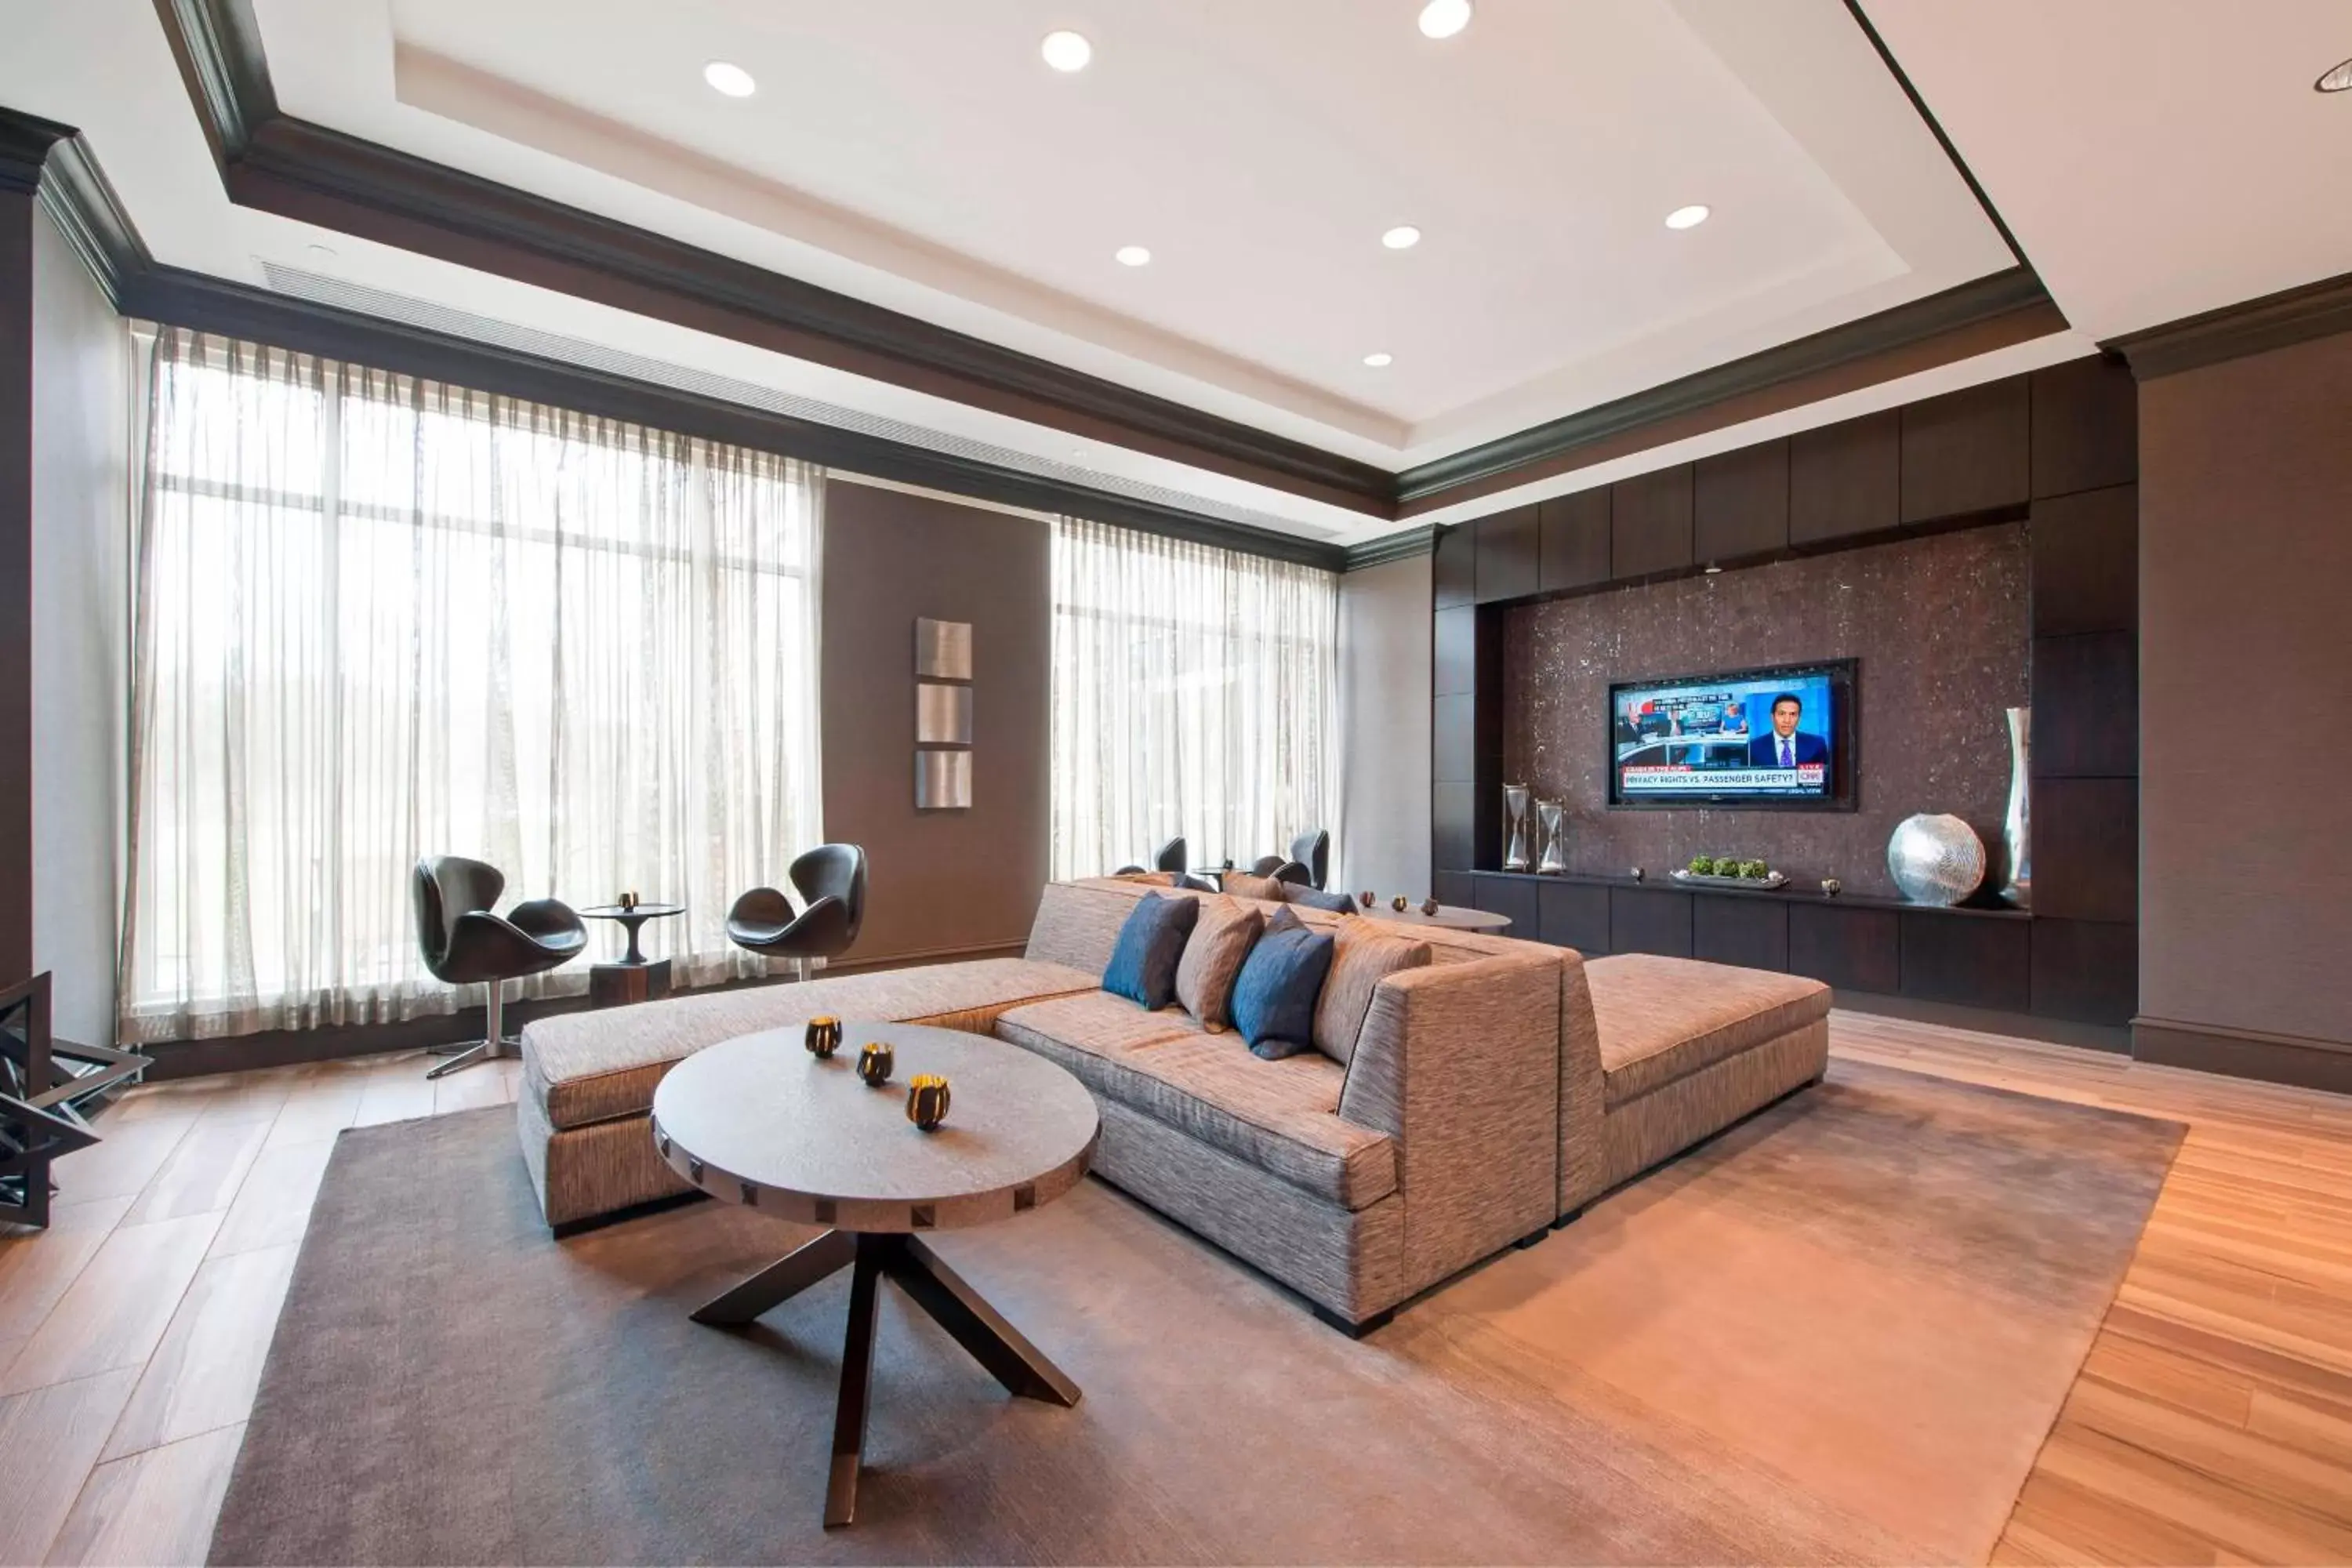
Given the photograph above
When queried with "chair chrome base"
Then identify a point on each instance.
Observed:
(479, 1051)
(495, 1042)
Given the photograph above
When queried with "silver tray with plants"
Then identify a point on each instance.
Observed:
(1728, 871)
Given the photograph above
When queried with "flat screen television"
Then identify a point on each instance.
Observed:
(1781, 739)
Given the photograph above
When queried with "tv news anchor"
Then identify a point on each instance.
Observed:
(1785, 747)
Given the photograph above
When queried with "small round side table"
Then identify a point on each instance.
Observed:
(631, 977)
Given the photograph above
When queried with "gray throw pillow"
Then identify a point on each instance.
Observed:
(1366, 956)
(1242, 885)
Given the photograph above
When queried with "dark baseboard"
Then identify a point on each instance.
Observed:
(2294, 1059)
(2113, 1038)
(291, 1048)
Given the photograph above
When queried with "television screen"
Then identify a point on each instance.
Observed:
(1759, 737)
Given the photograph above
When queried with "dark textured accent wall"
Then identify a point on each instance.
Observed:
(952, 881)
(2245, 515)
(1940, 624)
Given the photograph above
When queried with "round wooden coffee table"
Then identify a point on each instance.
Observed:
(760, 1121)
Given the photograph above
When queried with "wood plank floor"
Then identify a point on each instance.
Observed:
(133, 1330)
(2211, 1421)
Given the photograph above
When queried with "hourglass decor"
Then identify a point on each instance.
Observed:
(1554, 814)
(1515, 803)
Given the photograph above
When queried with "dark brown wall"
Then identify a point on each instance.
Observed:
(941, 882)
(1940, 624)
(2245, 517)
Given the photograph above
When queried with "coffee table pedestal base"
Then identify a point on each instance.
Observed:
(927, 1281)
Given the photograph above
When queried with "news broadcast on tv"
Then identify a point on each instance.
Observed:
(1770, 736)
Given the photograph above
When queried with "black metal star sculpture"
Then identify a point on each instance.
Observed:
(47, 1089)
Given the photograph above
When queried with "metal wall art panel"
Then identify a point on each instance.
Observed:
(943, 781)
(943, 649)
(942, 714)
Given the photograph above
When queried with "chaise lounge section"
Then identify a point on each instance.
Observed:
(1491, 1094)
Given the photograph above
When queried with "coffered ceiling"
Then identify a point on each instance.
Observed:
(922, 155)
(918, 161)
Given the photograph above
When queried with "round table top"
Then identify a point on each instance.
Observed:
(760, 1121)
(633, 912)
(1452, 917)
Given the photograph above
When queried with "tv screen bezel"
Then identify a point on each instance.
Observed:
(1844, 676)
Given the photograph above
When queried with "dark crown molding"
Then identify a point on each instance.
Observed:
(2250, 327)
(1401, 546)
(218, 46)
(273, 162)
(76, 194)
(25, 143)
(80, 201)
(2013, 292)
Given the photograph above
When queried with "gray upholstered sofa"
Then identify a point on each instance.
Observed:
(1492, 1093)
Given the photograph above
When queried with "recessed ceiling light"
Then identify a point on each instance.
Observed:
(1067, 51)
(1443, 18)
(1133, 256)
(1380, 361)
(732, 80)
(1687, 217)
(1404, 236)
(2337, 80)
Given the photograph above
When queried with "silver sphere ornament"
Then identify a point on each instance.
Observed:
(1936, 859)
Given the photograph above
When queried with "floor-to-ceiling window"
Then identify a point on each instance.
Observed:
(1194, 693)
(376, 618)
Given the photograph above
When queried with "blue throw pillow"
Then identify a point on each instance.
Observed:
(1143, 965)
(1273, 1000)
(1316, 899)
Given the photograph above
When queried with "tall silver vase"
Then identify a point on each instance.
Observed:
(1515, 852)
(2016, 824)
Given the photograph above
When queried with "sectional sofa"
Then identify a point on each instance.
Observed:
(1492, 1093)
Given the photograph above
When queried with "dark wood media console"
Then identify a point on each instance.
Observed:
(1969, 954)
(2055, 450)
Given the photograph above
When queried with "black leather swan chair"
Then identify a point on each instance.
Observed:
(1312, 849)
(464, 941)
(1309, 862)
(832, 882)
(1172, 857)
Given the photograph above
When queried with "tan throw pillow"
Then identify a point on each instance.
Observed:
(1222, 938)
(1365, 957)
(1242, 885)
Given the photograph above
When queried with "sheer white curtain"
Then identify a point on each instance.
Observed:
(377, 618)
(1194, 692)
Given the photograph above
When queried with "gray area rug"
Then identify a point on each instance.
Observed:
(1837, 1332)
